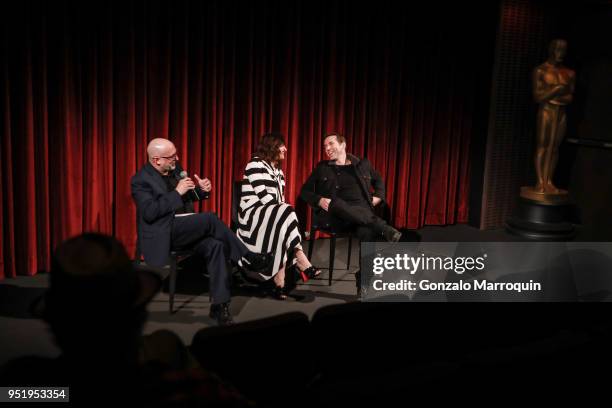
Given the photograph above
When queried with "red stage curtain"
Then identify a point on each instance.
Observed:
(84, 89)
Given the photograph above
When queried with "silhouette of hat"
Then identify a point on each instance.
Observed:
(93, 272)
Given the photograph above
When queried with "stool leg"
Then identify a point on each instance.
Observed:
(311, 245)
(332, 253)
(172, 282)
(348, 258)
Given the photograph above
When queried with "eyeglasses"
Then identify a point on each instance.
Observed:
(173, 157)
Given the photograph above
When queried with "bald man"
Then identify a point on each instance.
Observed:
(167, 221)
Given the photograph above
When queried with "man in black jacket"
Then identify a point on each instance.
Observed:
(164, 198)
(340, 190)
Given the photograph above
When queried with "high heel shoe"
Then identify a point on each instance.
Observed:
(280, 293)
(309, 273)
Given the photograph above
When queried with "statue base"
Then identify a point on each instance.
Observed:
(530, 193)
(543, 221)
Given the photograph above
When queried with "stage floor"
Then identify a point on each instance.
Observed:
(20, 334)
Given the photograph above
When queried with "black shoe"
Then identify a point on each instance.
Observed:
(269, 289)
(221, 313)
(258, 262)
(280, 293)
(362, 292)
(309, 273)
(391, 234)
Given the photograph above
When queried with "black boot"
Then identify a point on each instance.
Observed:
(391, 234)
(221, 313)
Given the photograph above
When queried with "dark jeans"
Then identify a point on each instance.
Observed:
(360, 221)
(210, 238)
(357, 219)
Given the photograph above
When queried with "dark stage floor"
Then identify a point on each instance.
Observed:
(20, 334)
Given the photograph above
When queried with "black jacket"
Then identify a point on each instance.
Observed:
(323, 181)
(155, 207)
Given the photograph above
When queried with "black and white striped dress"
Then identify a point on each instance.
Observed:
(265, 222)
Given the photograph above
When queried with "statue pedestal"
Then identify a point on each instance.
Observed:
(562, 197)
(543, 216)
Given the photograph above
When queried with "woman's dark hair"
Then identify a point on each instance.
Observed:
(268, 146)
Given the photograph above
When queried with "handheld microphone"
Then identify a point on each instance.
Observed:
(194, 193)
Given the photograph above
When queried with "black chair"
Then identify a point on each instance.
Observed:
(174, 258)
(239, 273)
(322, 225)
(318, 224)
(236, 195)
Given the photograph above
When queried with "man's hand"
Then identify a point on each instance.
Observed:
(376, 201)
(324, 203)
(184, 185)
(204, 183)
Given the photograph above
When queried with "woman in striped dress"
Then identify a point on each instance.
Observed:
(266, 223)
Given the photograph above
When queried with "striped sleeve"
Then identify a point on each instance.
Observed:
(282, 186)
(259, 178)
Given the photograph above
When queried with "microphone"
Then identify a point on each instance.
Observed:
(194, 193)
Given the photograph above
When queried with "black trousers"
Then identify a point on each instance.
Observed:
(360, 221)
(210, 238)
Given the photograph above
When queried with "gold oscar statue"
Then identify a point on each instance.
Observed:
(553, 86)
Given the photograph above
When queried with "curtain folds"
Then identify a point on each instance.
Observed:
(84, 89)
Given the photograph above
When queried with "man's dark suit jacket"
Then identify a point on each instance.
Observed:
(155, 209)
